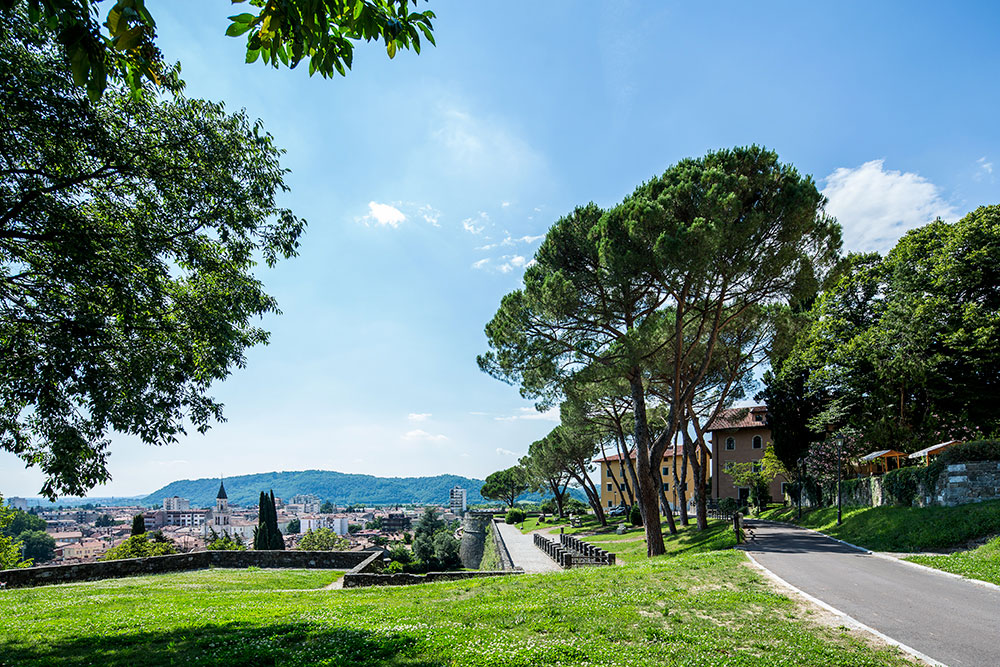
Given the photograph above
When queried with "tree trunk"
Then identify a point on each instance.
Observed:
(679, 484)
(648, 499)
(623, 448)
(699, 464)
(554, 486)
(593, 494)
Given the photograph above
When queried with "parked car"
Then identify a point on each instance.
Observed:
(621, 510)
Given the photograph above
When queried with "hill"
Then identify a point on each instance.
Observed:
(340, 488)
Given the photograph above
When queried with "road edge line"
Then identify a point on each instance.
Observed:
(850, 620)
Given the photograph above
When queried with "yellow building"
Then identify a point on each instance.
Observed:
(615, 478)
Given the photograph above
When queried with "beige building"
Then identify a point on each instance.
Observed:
(615, 477)
(740, 435)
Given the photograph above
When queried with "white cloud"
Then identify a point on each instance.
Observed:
(984, 165)
(505, 268)
(505, 204)
(420, 434)
(517, 260)
(488, 246)
(418, 416)
(551, 415)
(430, 214)
(481, 263)
(530, 264)
(476, 224)
(876, 207)
(505, 452)
(383, 214)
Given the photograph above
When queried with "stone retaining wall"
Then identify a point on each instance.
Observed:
(506, 562)
(196, 560)
(473, 539)
(968, 483)
(352, 580)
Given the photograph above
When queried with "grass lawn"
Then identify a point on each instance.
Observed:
(632, 545)
(981, 563)
(588, 524)
(901, 528)
(694, 608)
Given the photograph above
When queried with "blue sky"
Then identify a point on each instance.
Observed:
(428, 182)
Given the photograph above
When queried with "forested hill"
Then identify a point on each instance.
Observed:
(340, 488)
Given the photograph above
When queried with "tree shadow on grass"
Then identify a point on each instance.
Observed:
(231, 644)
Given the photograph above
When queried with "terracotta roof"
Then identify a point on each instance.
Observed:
(730, 418)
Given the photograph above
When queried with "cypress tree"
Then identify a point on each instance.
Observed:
(277, 542)
(261, 541)
(138, 525)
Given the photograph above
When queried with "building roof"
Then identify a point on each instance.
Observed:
(733, 418)
(222, 491)
(882, 453)
(934, 449)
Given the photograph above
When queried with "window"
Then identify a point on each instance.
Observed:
(610, 474)
(730, 443)
(609, 503)
(728, 466)
(758, 417)
(666, 487)
(610, 488)
(784, 489)
(664, 470)
(758, 443)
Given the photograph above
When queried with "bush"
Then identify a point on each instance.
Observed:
(514, 515)
(901, 485)
(974, 450)
(393, 567)
(728, 505)
(139, 546)
(635, 516)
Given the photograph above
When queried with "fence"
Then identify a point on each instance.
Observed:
(571, 551)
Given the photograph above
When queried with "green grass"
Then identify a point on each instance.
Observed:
(901, 528)
(982, 563)
(693, 608)
(632, 545)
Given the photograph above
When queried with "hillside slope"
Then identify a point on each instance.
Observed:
(340, 488)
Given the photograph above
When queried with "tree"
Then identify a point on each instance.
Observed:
(323, 539)
(123, 46)
(757, 476)
(129, 234)
(574, 445)
(104, 521)
(428, 524)
(224, 542)
(138, 546)
(20, 521)
(39, 546)
(267, 536)
(294, 526)
(657, 282)
(446, 551)
(545, 473)
(10, 549)
(505, 485)
(327, 508)
(138, 525)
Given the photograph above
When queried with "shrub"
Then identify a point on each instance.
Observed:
(728, 505)
(974, 450)
(901, 485)
(139, 546)
(514, 515)
(393, 567)
(635, 516)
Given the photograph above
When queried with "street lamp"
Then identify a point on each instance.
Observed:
(840, 467)
(800, 464)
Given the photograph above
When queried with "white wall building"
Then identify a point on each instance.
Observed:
(457, 500)
(176, 503)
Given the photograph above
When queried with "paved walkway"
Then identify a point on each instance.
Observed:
(953, 621)
(523, 551)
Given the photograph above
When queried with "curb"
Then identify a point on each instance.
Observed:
(885, 556)
(849, 620)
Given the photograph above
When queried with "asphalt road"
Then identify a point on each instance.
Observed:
(953, 621)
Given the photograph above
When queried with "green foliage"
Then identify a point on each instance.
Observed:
(400, 554)
(128, 258)
(267, 536)
(728, 505)
(38, 545)
(506, 485)
(902, 348)
(138, 524)
(139, 546)
(224, 542)
(982, 563)
(393, 567)
(327, 507)
(10, 549)
(323, 539)
(21, 521)
(514, 515)
(446, 551)
(122, 47)
(104, 521)
(966, 452)
(635, 516)
(902, 484)
(294, 526)
(894, 528)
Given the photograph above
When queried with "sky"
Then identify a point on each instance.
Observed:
(429, 181)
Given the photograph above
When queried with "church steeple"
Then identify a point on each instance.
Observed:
(220, 517)
(222, 490)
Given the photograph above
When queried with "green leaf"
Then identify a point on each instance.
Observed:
(252, 55)
(237, 29)
(242, 18)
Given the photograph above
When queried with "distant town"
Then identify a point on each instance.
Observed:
(84, 534)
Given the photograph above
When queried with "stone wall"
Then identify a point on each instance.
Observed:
(974, 482)
(506, 562)
(197, 560)
(359, 580)
(474, 529)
